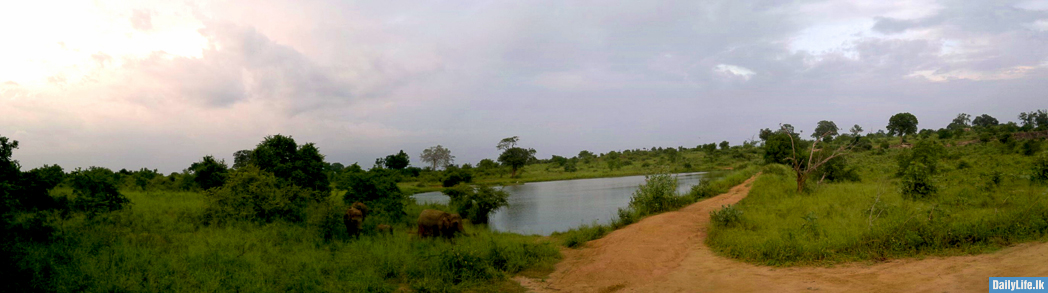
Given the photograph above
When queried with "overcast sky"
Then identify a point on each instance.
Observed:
(160, 84)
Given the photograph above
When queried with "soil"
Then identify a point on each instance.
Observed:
(667, 253)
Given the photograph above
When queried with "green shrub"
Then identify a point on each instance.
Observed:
(326, 218)
(454, 176)
(656, 195)
(1040, 170)
(1031, 147)
(377, 188)
(95, 191)
(570, 166)
(476, 203)
(704, 189)
(917, 182)
(727, 216)
(927, 153)
(836, 170)
(253, 194)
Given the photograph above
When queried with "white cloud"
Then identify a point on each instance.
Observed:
(734, 71)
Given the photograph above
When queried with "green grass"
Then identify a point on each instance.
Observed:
(156, 245)
(717, 183)
(985, 201)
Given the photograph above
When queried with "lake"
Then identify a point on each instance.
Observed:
(546, 207)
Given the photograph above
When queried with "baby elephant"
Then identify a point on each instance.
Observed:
(433, 223)
(384, 229)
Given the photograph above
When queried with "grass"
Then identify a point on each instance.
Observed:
(985, 200)
(716, 183)
(157, 245)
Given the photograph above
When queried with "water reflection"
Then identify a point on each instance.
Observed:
(545, 207)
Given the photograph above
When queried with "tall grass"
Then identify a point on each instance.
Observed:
(158, 245)
(977, 207)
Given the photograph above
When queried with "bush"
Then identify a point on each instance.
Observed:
(570, 166)
(95, 191)
(727, 216)
(837, 170)
(476, 203)
(1040, 170)
(656, 195)
(927, 153)
(253, 194)
(917, 182)
(1031, 147)
(453, 176)
(704, 189)
(326, 218)
(377, 188)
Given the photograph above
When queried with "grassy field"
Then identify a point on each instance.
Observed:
(984, 200)
(157, 245)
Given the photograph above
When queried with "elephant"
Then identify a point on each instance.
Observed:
(361, 207)
(353, 219)
(433, 223)
(384, 229)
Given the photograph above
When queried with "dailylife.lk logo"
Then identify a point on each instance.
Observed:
(1010, 284)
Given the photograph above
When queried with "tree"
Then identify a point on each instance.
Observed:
(437, 156)
(1034, 119)
(398, 161)
(377, 188)
(765, 134)
(826, 129)
(241, 158)
(209, 173)
(724, 145)
(516, 158)
(960, 123)
(476, 204)
(507, 143)
(299, 165)
(856, 130)
(902, 124)
(805, 165)
(984, 121)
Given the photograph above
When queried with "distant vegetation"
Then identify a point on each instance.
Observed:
(971, 187)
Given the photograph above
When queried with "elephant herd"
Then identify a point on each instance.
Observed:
(431, 223)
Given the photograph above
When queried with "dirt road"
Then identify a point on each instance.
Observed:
(666, 253)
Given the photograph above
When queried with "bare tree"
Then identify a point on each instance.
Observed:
(437, 156)
(802, 168)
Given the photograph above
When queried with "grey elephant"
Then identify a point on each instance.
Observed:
(353, 219)
(432, 223)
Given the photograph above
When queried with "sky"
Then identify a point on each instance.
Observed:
(160, 84)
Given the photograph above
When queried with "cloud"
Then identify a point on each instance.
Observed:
(141, 20)
(366, 79)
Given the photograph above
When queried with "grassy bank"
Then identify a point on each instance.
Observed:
(714, 184)
(157, 245)
(984, 199)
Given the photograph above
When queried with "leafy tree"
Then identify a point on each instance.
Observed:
(825, 129)
(856, 130)
(209, 173)
(1034, 119)
(960, 123)
(241, 158)
(788, 128)
(437, 156)
(299, 165)
(777, 148)
(724, 145)
(803, 165)
(477, 203)
(487, 164)
(765, 134)
(507, 143)
(984, 121)
(398, 161)
(902, 124)
(377, 188)
(516, 158)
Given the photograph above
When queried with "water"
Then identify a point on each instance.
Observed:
(545, 207)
